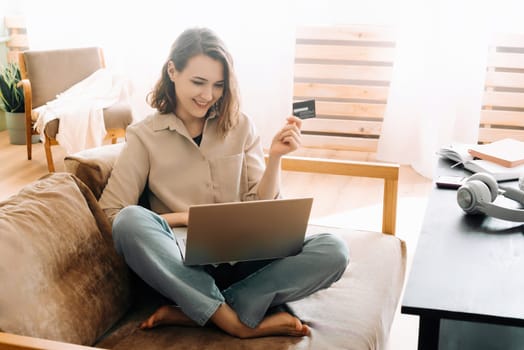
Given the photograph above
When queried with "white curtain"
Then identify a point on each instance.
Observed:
(436, 90)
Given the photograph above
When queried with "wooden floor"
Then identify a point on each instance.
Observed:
(16, 171)
(350, 201)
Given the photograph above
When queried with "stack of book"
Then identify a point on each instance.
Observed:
(504, 159)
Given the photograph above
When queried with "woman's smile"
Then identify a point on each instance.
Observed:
(203, 105)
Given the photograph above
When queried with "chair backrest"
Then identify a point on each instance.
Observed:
(347, 70)
(54, 71)
(502, 113)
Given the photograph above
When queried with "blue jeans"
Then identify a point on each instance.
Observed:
(149, 248)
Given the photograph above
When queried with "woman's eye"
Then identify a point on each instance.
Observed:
(219, 86)
(196, 82)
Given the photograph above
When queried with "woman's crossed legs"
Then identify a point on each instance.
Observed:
(146, 242)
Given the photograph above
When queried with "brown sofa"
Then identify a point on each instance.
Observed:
(63, 284)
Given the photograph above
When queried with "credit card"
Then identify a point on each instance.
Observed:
(304, 109)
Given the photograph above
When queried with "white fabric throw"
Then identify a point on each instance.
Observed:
(80, 110)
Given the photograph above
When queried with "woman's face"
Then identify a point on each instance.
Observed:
(198, 86)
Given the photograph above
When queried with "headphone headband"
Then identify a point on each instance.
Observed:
(496, 211)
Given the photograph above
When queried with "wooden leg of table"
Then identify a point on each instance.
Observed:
(428, 333)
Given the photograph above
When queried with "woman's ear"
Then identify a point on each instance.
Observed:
(171, 70)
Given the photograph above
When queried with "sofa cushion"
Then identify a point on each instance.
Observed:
(61, 278)
(93, 166)
(354, 313)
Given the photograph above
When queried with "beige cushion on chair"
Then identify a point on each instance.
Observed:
(358, 310)
(118, 116)
(354, 313)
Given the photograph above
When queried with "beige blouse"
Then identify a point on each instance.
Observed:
(160, 153)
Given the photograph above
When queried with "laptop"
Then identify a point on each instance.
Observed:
(243, 231)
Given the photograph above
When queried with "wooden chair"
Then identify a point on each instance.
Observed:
(45, 74)
(347, 70)
(502, 113)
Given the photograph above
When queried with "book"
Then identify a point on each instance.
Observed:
(506, 152)
(459, 153)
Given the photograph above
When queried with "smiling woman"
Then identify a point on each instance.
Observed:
(199, 148)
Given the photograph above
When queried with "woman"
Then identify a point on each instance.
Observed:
(198, 148)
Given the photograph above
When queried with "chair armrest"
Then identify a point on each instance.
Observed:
(388, 172)
(28, 101)
(18, 342)
(28, 92)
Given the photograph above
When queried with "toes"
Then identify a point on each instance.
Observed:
(306, 330)
(300, 329)
(147, 324)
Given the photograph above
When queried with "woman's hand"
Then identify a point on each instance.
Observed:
(176, 219)
(286, 139)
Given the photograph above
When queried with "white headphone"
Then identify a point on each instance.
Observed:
(480, 190)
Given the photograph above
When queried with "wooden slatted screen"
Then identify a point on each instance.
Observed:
(347, 70)
(502, 112)
(17, 31)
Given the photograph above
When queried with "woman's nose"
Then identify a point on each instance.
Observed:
(207, 93)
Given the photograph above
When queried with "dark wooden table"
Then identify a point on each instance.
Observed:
(465, 267)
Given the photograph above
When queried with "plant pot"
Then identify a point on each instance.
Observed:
(16, 128)
(2, 120)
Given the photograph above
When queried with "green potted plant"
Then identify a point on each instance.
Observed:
(12, 102)
(2, 119)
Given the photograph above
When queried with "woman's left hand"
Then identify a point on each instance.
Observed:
(286, 139)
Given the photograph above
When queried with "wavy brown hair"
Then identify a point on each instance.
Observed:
(192, 42)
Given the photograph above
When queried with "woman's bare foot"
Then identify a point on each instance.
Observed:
(167, 315)
(281, 323)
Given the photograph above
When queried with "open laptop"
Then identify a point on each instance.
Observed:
(243, 231)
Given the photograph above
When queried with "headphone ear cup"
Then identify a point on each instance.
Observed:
(472, 194)
(490, 182)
